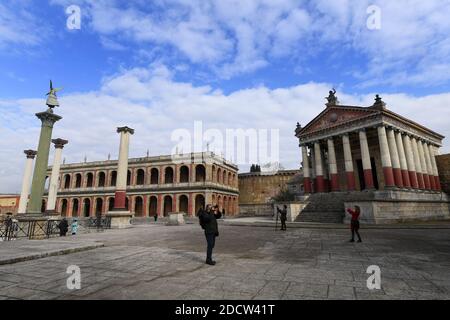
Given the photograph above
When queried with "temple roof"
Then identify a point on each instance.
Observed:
(337, 116)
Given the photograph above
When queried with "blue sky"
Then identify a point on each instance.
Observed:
(253, 64)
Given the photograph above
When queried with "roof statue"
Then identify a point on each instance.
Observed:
(332, 99)
(52, 100)
(379, 103)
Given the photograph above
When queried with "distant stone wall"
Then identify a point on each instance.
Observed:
(255, 210)
(443, 164)
(259, 188)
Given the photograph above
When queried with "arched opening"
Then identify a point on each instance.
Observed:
(101, 179)
(168, 175)
(234, 180)
(219, 201)
(113, 178)
(67, 181)
(200, 173)
(75, 207)
(43, 206)
(128, 177)
(138, 207)
(183, 204)
(184, 174)
(111, 204)
(219, 175)
(90, 180)
(140, 177)
(229, 178)
(154, 176)
(225, 205)
(224, 177)
(86, 207)
(153, 206)
(78, 180)
(98, 207)
(214, 173)
(213, 199)
(199, 202)
(167, 205)
(64, 206)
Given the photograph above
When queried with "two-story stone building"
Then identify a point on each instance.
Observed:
(156, 185)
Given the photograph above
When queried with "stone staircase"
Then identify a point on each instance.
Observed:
(323, 208)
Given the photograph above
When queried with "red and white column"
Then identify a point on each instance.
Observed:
(418, 164)
(319, 168)
(313, 171)
(306, 171)
(333, 165)
(386, 162)
(31, 154)
(402, 158)
(349, 171)
(433, 153)
(122, 169)
(429, 166)
(410, 161)
(393, 150)
(365, 155)
(423, 163)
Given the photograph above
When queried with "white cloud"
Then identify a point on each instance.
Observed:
(150, 101)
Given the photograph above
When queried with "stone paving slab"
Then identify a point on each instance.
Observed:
(24, 250)
(162, 262)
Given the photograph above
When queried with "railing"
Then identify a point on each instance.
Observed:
(39, 229)
(99, 222)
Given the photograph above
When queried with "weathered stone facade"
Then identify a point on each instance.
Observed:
(156, 186)
(257, 189)
(9, 203)
(443, 164)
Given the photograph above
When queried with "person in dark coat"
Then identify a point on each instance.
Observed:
(208, 220)
(354, 224)
(283, 217)
(63, 227)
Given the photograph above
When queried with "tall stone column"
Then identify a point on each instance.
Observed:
(319, 169)
(349, 171)
(53, 188)
(333, 165)
(26, 181)
(120, 215)
(417, 162)
(386, 158)
(306, 171)
(402, 157)
(429, 166)
(433, 153)
(365, 154)
(122, 168)
(48, 119)
(423, 163)
(410, 161)
(393, 150)
(313, 170)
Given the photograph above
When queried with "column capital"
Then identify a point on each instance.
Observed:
(48, 118)
(30, 153)
(59, 143)
(125, 130)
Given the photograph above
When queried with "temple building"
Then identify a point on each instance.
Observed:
(371, 157)
(155, 186)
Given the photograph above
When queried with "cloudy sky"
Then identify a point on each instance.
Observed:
(161, 65)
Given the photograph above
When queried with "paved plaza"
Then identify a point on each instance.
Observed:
(167, 262)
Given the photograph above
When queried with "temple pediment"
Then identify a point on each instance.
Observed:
(336, 116)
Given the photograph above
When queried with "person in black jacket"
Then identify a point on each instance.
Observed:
(63, 227)
(208, 220)
(283, 217)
